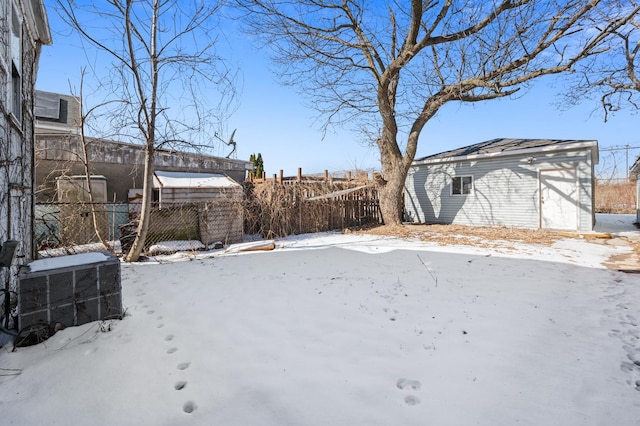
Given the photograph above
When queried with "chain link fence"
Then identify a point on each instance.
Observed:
(70, 228)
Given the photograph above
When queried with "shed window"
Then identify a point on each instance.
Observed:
(462, 185)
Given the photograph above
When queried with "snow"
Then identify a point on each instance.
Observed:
(344, 329)
(192, 180)
(620, 224)
(67, 261)
(173, 246)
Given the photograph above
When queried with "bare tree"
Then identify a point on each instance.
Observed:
(163, 69)
(612, 78)
(389, 66)
(86, 160)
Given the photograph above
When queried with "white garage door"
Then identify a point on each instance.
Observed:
(559, 199)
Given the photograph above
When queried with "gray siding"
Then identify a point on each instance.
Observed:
(186, 195)
(638, 198)
(506, 190)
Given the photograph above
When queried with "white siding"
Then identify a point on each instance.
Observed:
(638, 198)
(505, 190)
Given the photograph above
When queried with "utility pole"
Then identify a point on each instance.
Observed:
(626, 148)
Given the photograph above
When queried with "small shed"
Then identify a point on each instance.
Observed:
(218, 214)
(634, 172)
(525, 183)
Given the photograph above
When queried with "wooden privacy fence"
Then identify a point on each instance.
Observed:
(346, 177)
(275, 210)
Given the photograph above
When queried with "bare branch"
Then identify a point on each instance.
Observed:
(162, 56)
(344, 55)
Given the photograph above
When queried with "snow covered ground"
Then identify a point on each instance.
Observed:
(341, 329)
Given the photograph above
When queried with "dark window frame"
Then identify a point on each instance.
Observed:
(462, 185)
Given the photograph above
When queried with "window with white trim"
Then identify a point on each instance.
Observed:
(15, 57)
(461, 185)
(5, 13)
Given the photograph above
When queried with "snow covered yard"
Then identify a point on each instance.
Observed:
(334, 329)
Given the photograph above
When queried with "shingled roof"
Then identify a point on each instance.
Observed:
(636, 166)
(509, 146)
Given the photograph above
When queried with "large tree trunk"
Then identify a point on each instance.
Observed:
(391, 201)
(391, 189)
(145, 213)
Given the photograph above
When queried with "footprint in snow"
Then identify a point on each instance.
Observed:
(411, 400)
(189, 407)
(403, 384)
(406, 383)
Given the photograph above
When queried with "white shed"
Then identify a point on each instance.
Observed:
(218, 199)
(526, 183)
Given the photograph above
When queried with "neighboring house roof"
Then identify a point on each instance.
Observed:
(507, 146)
(36, 18)
(635, 169)
(162, 179)
(57, 113)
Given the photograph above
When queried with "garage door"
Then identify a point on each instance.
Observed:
(559, 199)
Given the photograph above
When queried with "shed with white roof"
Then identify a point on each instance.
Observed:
(215, 200)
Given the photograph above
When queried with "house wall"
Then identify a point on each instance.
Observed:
(18, 67)
(122, 164)
(506, 190)
(638, 198)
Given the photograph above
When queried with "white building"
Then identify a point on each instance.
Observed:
(525, 183)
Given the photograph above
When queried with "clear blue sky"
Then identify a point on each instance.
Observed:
(273, 120)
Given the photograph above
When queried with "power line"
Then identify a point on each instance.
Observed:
(622, 148)
(619, 148)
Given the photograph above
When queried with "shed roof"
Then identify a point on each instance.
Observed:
(162, 179)
(509, 146)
